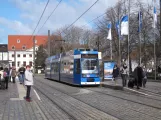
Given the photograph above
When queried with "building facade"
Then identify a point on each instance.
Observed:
(20, 49)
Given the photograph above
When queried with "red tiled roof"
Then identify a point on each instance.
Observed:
(25, 40)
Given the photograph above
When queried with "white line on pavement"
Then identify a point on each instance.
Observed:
(37, 94)
(137, 91)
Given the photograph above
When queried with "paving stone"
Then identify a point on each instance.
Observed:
(76, 108)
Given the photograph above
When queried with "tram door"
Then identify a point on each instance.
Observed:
(77, 71)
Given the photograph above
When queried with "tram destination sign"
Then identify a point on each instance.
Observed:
(89, 56)
(3, 48)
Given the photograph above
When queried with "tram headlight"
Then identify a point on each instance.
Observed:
(84, 75)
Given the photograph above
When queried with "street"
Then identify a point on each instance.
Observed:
(124, 105)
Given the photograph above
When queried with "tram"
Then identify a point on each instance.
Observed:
(76, 67)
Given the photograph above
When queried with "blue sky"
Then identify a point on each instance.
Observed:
(21, 16)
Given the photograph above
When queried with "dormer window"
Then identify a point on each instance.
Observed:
(18, 40)
(23, 47)
(13, 47)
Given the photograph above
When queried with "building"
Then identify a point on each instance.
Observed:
(20, 49)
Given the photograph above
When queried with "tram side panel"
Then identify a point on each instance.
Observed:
(77, 72)
(67, 69)
(55, 70)
(47, 71)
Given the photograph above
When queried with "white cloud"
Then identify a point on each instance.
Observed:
(65, 14)
(17, 26)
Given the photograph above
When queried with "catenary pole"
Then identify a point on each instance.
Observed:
(128, 37)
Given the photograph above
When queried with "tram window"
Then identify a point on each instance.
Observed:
(77, 66)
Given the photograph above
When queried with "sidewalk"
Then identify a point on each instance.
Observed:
(14, 107)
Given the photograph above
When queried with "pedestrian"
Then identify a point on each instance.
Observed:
(1, 72)
(138, 74)
(115, 73)
(6, 77)
(21, 74)
(28, 82)
(13, 74)
(124, 73)
(10, 77)
(144, 77)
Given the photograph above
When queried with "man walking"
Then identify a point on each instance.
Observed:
(21, 74)
(138, 74)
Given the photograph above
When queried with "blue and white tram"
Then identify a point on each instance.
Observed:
(78, 67)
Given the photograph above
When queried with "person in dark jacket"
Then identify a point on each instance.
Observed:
(124, 74)
(21, 74)
(6, 77)
(115, 73)
(138, 74)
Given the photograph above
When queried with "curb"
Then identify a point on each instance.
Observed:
(115, 87)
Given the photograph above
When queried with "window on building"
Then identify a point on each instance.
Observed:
(35, 41)
(13, 55)
(13, 63)
(24, 55)
(18, 41)
(13, 47)
(23, 47)
(18, 55)
(30, 63)
(18, 63)
(24, 63)
(30, 55)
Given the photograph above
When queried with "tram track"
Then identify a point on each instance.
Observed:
(72, 97)
(151, 92)
(67, 113)
(158, 108)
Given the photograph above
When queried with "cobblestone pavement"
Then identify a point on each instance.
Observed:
(74, 108)
(120, 104)
(12, 107)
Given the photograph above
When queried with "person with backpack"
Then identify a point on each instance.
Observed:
(28, 82)
(6, 76)
(21, 74)
(124, 74)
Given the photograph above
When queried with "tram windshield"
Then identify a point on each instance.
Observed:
(89, 66)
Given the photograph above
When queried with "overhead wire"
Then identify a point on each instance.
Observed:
(40, 19)
(50, 15)
(80, 16)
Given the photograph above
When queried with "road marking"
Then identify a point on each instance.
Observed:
(37, 94)
(137, 91)
(82, 91)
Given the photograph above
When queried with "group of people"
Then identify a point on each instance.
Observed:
(25, 77)
(139, 74)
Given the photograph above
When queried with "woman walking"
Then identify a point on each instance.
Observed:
(28, 82)
(115, 73)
